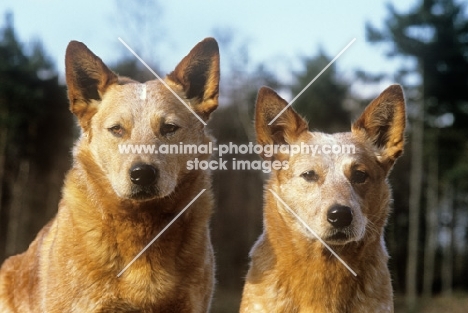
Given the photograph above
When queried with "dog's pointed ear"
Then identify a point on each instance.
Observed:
(87, 79)
(285, 129)
(383, 123)
(198, 75)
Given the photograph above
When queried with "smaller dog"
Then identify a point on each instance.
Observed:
(343, 197)
(114, 204)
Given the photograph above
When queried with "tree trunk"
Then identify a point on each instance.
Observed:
(414, 206)
(3, 223)
(16, 209)
(447, 240)
(432, 198)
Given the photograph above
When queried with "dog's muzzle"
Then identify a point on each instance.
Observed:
(143, 174)
(143, 178)
(339, 216)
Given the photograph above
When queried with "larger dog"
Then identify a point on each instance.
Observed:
(341, 195)
(115, 203)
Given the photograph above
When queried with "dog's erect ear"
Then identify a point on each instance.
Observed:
(285, 129)
(87, 80)
(383, 123)
(198, 75)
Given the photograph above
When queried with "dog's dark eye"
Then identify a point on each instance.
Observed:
(310, 176)
(358, 177)
(167, 129)
(116, 130)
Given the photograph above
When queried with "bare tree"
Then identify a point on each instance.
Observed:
(417, 146)
(432, 197)
(140, 24)
(17, 208)
(447, 238)
(3, 144)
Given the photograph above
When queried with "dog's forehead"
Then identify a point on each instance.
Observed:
(327, 139)
(152, 98)
(329, 150)
(322, 140)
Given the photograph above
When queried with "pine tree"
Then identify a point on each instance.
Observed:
(35, 137)
(322, 103)
(435, 33)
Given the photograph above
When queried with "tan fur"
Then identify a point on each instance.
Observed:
(104, 220)
(291, 271)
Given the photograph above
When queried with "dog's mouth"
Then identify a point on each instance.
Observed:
(339, 237)
(143, 193)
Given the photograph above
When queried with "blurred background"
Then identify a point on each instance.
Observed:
(421, 44)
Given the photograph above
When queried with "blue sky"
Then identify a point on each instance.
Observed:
(277, 33)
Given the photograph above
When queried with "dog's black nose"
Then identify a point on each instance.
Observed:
(339, 216)
(143, 174)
